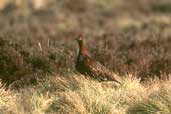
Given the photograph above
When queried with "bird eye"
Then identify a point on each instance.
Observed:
(79, 39)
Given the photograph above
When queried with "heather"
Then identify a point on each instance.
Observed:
(38, 54)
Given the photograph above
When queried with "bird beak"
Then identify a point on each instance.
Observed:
(76, 39)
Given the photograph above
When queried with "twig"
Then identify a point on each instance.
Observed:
(40, 46)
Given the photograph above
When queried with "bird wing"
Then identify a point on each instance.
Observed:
(99, 71)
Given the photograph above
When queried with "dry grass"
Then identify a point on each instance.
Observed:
(79, 95)
(131, 38)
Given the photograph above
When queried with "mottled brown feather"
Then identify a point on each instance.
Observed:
(87, 66)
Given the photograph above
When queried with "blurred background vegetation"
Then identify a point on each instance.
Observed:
(127, 37)
(38, 54)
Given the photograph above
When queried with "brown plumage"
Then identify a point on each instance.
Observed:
(87, 66)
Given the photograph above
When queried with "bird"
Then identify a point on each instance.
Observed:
(87, 66)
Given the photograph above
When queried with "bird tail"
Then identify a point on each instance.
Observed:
(116, 79)
(118, 82)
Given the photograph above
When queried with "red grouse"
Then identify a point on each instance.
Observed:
(87, 66)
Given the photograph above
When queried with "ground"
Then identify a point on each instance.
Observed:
(38, 54)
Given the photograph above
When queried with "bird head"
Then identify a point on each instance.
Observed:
(80, 38)
(81, 43)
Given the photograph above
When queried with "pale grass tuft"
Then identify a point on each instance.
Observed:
(93, 97)
(158, 101)
(6, 100)
(77, 94)
(31, 101)
(68, 103)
